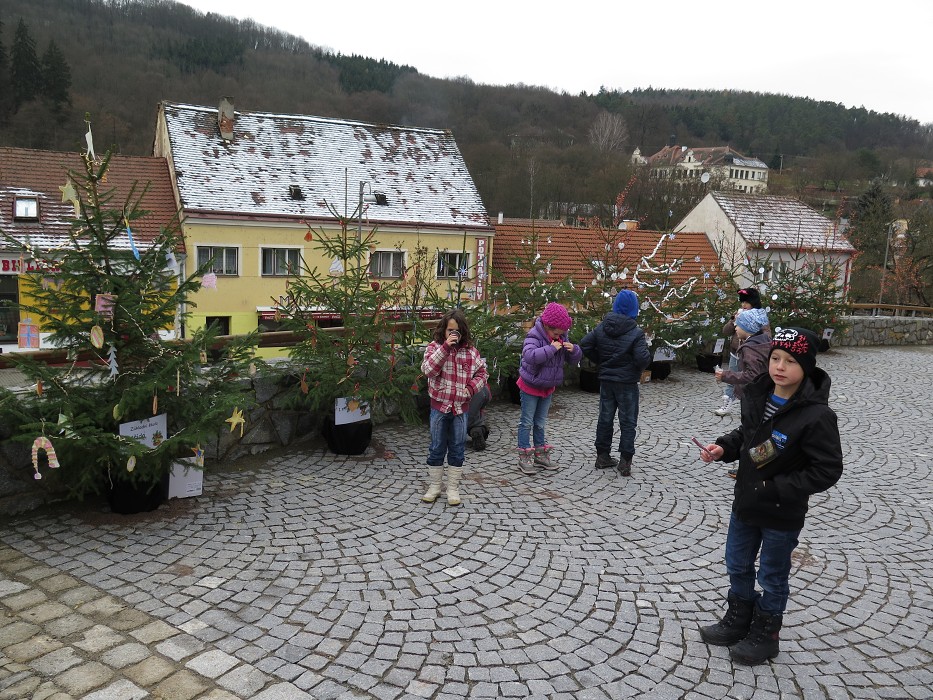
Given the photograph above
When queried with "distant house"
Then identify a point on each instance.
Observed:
(722, 164)
(576, 253)
(32, 211)
(924, 176)
(250, 184)
(779, 230)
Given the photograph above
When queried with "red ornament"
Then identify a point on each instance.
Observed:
(375, 286)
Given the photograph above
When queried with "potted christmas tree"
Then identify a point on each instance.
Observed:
(351, 358)
(113, 308)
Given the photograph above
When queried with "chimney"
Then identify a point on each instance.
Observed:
(225, 118)
(500, 217)
(672, 141)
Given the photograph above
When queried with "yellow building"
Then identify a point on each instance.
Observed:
(250, 186)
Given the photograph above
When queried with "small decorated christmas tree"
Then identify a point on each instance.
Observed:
(354, 330)
(113, 305)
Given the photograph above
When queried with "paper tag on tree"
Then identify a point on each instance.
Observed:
(349, 410)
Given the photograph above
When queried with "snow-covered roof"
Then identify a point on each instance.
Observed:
(780, 222)
(294, 166)
(26, 172)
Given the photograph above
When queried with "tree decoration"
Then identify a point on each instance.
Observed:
(237, 419)
(141, 305)
(43, 443)
(70, 194)
(28, 336)
(97, 337)
(209, 281)
(112, 361)
(129, 234)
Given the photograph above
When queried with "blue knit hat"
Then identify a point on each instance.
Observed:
(752, 320)
(626, 303)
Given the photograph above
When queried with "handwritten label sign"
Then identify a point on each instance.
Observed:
(720, 344)
(149, 431)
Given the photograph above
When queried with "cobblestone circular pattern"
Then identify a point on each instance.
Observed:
(330, 574)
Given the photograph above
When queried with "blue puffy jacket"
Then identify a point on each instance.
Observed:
(619, 347)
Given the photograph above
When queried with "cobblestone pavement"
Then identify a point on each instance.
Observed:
(315, 576)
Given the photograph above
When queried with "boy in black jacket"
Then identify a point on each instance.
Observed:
(788, 448)
(620, 349)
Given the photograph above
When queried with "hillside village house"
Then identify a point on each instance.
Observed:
(250, 184)
(778, 231)
(32, 211)
(725, 166)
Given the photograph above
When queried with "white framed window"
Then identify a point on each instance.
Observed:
(280, 262)
(387, 263)
(26, 208)
(225, 259)
(453, 265)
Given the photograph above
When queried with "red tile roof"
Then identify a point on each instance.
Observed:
(570, 248)
(25, 171)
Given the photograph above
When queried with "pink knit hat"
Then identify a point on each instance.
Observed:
(556, 316)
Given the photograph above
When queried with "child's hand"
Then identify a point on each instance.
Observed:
(568, 347)
(718, 373)
(557, 344)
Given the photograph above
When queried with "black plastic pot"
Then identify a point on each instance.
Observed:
(660, 370)
(348, 438)
(589, 380)
(707, 361)
(127, 498)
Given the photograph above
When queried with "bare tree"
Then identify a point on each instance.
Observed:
(609, 133)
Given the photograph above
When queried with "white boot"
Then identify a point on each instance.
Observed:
(435, 474)
(726, 407)
(453, 484)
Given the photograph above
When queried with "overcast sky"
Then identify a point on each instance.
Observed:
(872, 55)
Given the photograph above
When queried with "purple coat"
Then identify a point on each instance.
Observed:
(542, 366)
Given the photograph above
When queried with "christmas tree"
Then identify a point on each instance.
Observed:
(363, 359)
(114, 306)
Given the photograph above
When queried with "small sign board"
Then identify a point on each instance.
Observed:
(664, 354)
(149, 431)
(720, 344)
(185, 479)
(828, 333)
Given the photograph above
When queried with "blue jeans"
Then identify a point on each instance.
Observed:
(728, 389)
(533, 420)
(742, 548)
(622, 399)
(448, 435)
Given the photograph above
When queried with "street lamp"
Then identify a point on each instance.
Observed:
(369, 198)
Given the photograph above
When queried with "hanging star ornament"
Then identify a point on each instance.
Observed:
(70, 194)
(236, 419)
(198, 455)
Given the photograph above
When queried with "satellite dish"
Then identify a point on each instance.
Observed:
(704, 178)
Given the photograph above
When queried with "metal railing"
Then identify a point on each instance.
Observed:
(892, 310)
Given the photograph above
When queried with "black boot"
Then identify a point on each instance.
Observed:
(605, 461)
(625, 465)
(762, 642)
(734, 625)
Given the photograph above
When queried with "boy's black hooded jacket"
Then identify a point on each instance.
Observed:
(619, 347)
(809, 453)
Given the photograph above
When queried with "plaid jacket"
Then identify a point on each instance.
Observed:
(453, 376)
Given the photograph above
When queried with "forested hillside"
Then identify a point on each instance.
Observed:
(525, 146)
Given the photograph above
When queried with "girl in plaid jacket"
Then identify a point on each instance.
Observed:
(455, 372)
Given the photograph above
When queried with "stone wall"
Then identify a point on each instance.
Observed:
(884, 330)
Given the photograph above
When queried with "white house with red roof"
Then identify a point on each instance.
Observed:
(765, 235)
